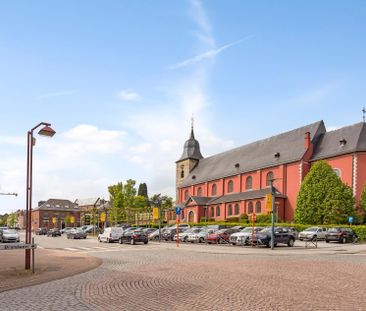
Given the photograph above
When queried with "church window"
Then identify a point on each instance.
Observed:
(236, 209)
(338, 172)
(212, 211)
(249, 183)
(217, 211)
(250, 208)
(230, 186)
(258, 207)
(269, 178)
(199, 192)
(186, 195)
(182, 174)
(230, 212)
(213, 189)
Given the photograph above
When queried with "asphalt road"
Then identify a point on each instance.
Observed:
(202, 277)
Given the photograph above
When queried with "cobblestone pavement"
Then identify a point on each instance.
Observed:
(157, 277)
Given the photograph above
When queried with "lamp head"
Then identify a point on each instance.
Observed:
(47, 131)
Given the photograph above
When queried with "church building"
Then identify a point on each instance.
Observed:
(235, 182)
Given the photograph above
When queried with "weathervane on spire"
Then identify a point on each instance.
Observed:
(363, 113)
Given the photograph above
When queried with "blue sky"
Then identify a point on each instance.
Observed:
(120, 80)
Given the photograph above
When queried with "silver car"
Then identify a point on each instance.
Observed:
(313, 233)
(199, 237)
(9, 235)
(242, 237)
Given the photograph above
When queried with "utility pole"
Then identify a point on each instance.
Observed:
(273, 210)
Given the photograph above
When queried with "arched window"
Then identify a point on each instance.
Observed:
(269, 178)
(230, 186)
(217, 211)
(213, 189)
(190, 216)
(237, 211)
(186, 193)
(212, 211)
(182, 213)
(182, 174)
(258, 207)
(250, 208)
(249, 183)
(338, 172)
(199, 192)
(230, 210)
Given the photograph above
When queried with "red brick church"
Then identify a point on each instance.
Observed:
(235, 182)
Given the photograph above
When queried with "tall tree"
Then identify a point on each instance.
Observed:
(323, 197)
(117, 212)
(143, 190)
(363, 199)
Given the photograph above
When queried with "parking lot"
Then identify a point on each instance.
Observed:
(162, 276)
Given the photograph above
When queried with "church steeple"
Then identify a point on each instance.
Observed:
(191, 149)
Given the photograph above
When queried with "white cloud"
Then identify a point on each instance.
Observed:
(128, 95)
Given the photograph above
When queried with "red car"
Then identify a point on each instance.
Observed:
(221, 236)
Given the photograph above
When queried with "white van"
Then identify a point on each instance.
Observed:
(110, 234)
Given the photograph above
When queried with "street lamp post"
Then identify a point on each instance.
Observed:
(46, 130)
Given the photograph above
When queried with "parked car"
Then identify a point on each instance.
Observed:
(281, 235)
(54, 232)
(155, 235)
(110, 234)
(341, 235)
(76, 233)
(148, 231)
(201, 235)
(133, 237)
(66, 230)
(169, 234)
(221, 236)
(183, 237)
(313, 233)
(9, 235)
(41, 231)
(242, 237)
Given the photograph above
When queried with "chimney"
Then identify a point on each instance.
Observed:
(307, 140)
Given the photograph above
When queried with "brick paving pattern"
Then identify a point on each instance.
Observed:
(153, 278)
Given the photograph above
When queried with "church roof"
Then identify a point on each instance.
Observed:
(191, 149)
(288, 147)
(342, 141)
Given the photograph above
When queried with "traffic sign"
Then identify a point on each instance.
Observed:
(269, 202)
(72, 219)
(102, 217)
(178, 210)
(350, 219)
(17, 246)
(54, 220)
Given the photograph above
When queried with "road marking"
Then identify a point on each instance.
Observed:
(71, 249)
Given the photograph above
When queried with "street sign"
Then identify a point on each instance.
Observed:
(350, 219)
(12, 246)
(178, 210)
(54, 220)
(102, 217)
(269, 202)
(156, 213)
(72, 219)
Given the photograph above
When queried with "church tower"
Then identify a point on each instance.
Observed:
(189, 159)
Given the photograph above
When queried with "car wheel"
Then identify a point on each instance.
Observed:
(108, 240)
(326, 241)
(201, 240)
(344, 240)
(291, 243)
(233, 243)
(132, 242)
(314, 237)
(145, 242)
(120, 241)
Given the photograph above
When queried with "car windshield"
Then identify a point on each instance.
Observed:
(334, 230)
(312, 229)
(221, 231)
(247, 229)
(9, 231)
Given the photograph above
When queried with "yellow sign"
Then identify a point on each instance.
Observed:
(102, 217)
(54, 220)
(269, 202)
(156, 213)
(72, 219)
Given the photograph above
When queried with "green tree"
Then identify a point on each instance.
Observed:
(4, 220)
(323, 197)
(363, 199)
(117, 212)
(143, 190)
(12, 219)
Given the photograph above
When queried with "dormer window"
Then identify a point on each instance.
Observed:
(342, 142)
(182, 174)
(277, 155)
